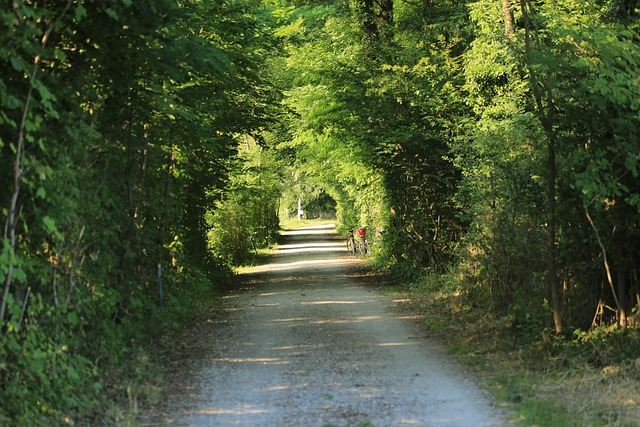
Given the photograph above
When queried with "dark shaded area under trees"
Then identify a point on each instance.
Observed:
(494, 142)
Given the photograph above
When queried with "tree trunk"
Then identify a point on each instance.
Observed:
(552, 274)
(636, 292)
(509, 22)
(386, 12)
(605, 259)
(621, 283)
(544, 115)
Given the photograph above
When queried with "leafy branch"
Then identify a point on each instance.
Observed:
(19, 168)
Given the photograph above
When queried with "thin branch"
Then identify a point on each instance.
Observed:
(24, 306)
(55, 277)
(16, 11)
(581, 49)
(604, 257)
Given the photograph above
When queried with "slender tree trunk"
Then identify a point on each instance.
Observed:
(621, 283)
(552, 274)
(636, 293)
(509, 22)
(128, 171)
(544, 115)
(11, 224)
(623, 315)
(605, 259)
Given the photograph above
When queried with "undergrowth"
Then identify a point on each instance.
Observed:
(134, 375)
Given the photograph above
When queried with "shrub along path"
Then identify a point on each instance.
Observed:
(301, 343)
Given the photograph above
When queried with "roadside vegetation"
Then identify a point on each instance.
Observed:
(148, 148)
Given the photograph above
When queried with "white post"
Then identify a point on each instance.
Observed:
(299, 208)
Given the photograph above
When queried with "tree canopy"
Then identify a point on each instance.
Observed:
(148, 147)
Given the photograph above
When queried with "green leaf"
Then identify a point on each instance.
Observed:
(30, 126)
(73, 375)
(5, 119)
(60, 55)
(18, 64)
(11, 102)
(50, 226)
(46, 97)
(72, 317)
(631, 163)
(13, 344)
(81, 12)
(112, 13)
(38, 361)
(19, 275)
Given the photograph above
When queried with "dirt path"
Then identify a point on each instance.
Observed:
(303, 345)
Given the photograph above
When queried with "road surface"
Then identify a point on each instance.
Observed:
(303, 343)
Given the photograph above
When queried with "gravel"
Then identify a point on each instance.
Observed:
(303, 343)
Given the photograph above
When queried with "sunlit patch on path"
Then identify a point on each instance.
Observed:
(311, 230)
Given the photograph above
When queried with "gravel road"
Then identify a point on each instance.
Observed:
(303, 344)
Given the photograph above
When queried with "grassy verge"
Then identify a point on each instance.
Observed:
(539, 381)
(135, 382)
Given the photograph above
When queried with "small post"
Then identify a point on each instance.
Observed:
(299, 208)
(160, 282)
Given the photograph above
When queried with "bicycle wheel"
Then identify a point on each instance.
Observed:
(363, 247)
(351, 246)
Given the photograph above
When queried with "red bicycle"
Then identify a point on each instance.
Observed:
(362, 247)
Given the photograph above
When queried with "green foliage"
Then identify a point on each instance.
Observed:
(371, 132)
(505, 165)
(42, 367)
(138, 134)
(115, 143)
(446, 122)
(247, 217)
